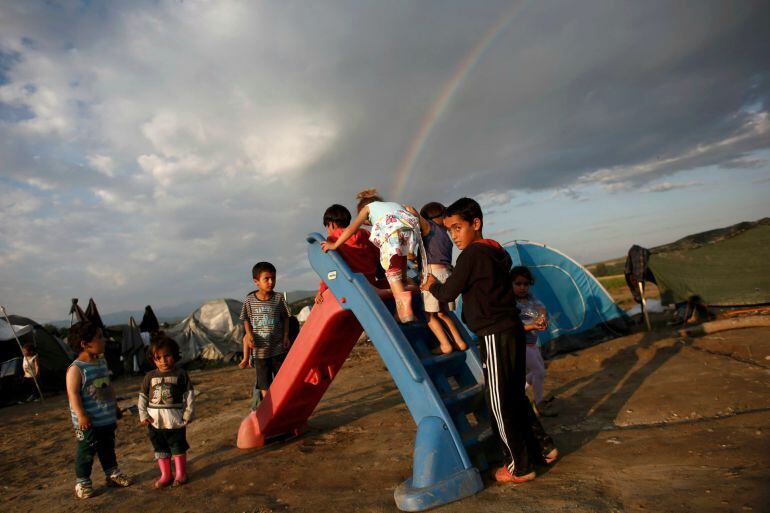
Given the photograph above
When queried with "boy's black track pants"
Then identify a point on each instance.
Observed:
(513, 421)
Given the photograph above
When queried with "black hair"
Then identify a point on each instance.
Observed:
(262, 267)
(167, 343)
(338, 215)
(468, 209)
(83, 331)
(520, 270)
(433, 210)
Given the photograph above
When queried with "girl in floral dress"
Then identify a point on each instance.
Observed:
(396, 233)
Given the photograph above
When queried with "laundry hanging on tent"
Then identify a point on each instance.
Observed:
(76, 313)
(133, 349)
(92, 314)
(149, 322)
(636, 270)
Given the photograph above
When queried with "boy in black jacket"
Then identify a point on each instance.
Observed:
(481, 275)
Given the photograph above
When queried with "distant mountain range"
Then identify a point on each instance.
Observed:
(169, 313)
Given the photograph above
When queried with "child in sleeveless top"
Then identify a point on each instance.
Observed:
(396, 233)
(93, 410)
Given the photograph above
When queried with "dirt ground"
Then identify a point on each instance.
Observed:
(647, 422)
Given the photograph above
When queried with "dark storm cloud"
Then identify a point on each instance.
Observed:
(161, 141)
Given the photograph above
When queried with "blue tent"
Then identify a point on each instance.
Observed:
(580, 311)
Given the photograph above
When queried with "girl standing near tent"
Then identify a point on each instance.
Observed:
(31, 368)
(396, 233)
(533, 316)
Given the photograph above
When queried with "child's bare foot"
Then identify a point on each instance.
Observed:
(244, 363)
(446, 349)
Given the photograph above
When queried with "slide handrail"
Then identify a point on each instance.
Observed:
(359, 283)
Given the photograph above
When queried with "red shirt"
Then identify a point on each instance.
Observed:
(358, 252)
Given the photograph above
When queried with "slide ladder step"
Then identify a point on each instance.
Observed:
(476, 435)
(460, 397)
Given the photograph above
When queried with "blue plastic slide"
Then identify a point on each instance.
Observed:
(444, 393)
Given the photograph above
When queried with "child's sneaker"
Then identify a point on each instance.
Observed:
(119, 479)
(84, 490)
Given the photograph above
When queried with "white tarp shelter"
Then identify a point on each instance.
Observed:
(212, 332)
(303, 314)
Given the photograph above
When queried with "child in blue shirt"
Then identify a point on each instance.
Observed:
(93, 409)
(438, 254)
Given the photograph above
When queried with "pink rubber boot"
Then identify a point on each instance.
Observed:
(165, 473)
(180, 462)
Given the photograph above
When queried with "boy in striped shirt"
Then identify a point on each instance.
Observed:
(265, 316)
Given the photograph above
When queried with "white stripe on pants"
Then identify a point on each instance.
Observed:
(494, 394)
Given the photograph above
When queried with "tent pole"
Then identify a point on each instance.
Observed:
(644, 307)
(34, 378)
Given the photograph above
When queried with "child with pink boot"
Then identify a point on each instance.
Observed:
(166, 404)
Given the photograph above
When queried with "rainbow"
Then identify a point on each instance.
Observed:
(439, 106)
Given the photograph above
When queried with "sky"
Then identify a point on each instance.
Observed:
(152, 151)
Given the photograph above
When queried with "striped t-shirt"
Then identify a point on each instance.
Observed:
(267, 319)
(96, 393)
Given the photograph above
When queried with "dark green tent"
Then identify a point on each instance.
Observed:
(725, 267)
(53, 354)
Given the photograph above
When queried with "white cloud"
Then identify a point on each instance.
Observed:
(613, 187)
(495, 198)
(173, 135)
(107, 275)
(15, 203)
(102, 163)
(571, 193)
(757, 126)
(40, 183)
(668, 186)
(289, 145)
(745, 163)
(215, 133)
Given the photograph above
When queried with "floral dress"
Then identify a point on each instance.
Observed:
(395, 233)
